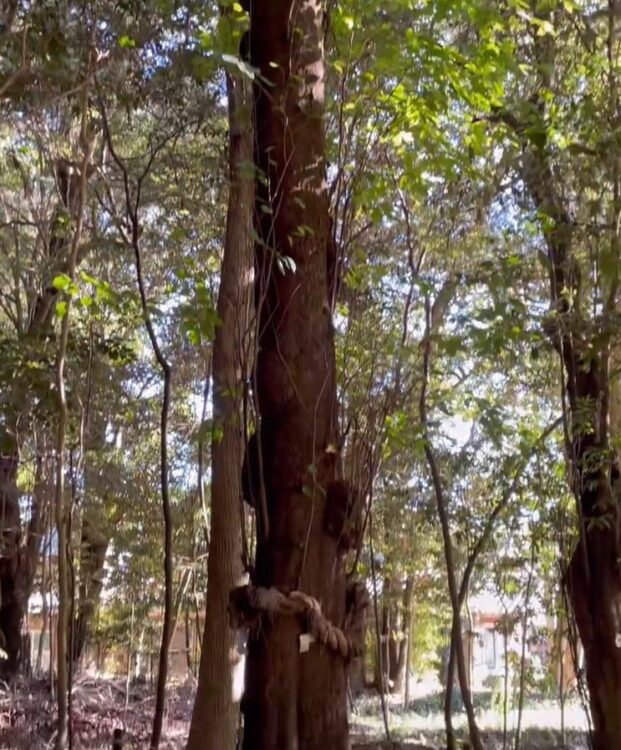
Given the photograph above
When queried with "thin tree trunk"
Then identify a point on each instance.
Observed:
(93, 550)
(200, 450)
(62, 675)
(162, 673)
(561, 679)
(382, 663)
(188, 639)
(215, 717)
(478, 548)
(408, 662)
(18, 566)
(139, 667)
(95, 533)
(11, 600)
(44, 618)
(518, 731)
(50, 595)
(457, 645)
(18, 561)
(132, 211)
(449, 689)
(399, 670)
(593, 578)
(379, 657)
(128, 673)
(181, 592)
(60, 509)
(197, 625)
(505, 693)
(37, 518)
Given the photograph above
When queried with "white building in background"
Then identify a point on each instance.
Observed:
(493, 632)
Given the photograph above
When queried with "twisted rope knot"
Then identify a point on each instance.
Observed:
(249, 601)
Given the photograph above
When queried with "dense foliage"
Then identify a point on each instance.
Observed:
(461, 138)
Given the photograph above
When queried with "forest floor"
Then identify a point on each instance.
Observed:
(27, 716)
(423, 722)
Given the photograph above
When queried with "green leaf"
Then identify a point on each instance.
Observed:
(61, 282)
(194, 336)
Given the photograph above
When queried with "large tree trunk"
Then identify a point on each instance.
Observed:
(215, 718)
(294, 700)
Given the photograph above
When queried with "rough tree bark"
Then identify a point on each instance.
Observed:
(294, 700)
(215, 718)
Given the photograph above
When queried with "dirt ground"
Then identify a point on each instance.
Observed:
(27, 715)
(27, 718)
